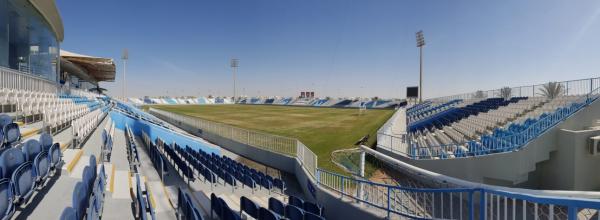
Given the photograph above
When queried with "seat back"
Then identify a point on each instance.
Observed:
(6, 207)
(54, 154)
(23, 180)
(248, 206)
(294, 212)
(10, 159)
(31, 148)
(68, 214)
(92, 164)
(41, 165)
(276, 206)
(295, 201)
(12, 133)
(265, 214)
(5, 119)
(46, 141)
(79, 197)
(88, 179)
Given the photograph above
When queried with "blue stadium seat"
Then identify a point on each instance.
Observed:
(277, 183)
(249, 207)
(68, 214)
(295, 201)
(12, 134)
(276, 206)
(266, 184)
(79, 199)
(88, 179)
(294, 213)
(46, 141)
(265, 214)
(5, 119)
(6, 205)
(41, 167)
(10, 159)
(215, 206)
(54, 155)
(248, 181)
(31, 148)
(93, 167)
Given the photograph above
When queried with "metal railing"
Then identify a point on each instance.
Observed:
(274, 143)
(14, 79)
(457, 203)
(570, 87)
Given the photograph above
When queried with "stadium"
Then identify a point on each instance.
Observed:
(70, 149)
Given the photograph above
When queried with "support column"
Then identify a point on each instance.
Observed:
(362, 174)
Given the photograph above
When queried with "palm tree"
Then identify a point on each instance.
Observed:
(506, 92)
(552, 90)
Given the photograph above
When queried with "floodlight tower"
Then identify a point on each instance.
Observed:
(124, 57)
(420, 44)
(235, 63)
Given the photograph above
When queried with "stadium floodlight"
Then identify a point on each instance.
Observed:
(234, 63)
(420, 44)
(124, 57)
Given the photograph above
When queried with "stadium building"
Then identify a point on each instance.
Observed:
(67, 151)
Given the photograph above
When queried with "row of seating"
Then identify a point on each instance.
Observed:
(11, 99)
(108, 133)
(84, 93)
(143, 204)
(296, 209)
(430, 109)
(83, 127)
(228, 170)
(186, 209)
(158, 161)
(132, 151)
(24, 167)
(88, 194)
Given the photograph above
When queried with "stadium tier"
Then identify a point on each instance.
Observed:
(315, 102)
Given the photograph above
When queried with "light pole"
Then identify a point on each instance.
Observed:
(124, 57)
(420, 44)
(235, 63)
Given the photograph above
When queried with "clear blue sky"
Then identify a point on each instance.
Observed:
(335, 47)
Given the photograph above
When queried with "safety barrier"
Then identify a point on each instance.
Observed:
(13, 79)
(457, 203)
(571, 87)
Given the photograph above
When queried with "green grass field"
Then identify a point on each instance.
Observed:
(323, 130)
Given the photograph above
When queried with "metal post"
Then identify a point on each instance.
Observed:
(234, 65)
(362, 174)
(421, 74)
(420, 44)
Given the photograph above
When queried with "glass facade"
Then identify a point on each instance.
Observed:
(27, 42)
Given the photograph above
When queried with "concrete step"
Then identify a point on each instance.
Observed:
(77, 171)
(110, 175)
(121, 185)
(71, 158)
